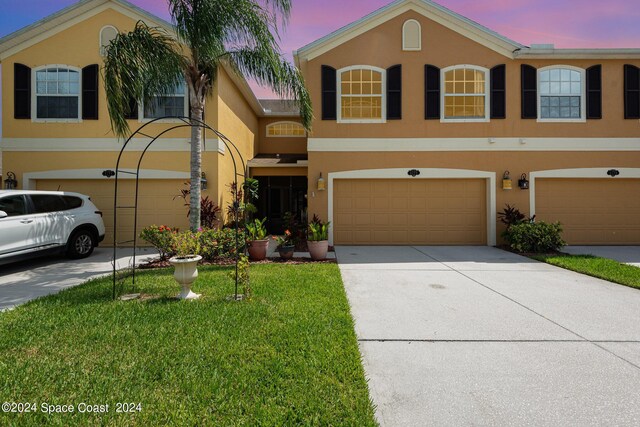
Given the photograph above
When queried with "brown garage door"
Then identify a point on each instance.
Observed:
(592, 211)
(401, 212)
(156, 204)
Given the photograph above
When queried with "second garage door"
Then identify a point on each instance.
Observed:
(592, 211)
(410, 212)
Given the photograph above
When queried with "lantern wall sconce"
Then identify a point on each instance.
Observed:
(321, 184)
(11, 182)
(523, 182)
(507, 184)
(203, 181)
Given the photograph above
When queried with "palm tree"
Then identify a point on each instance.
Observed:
(242, 34)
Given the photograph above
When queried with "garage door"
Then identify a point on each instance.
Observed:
(592, 211)
(416, 212)
(156, 204)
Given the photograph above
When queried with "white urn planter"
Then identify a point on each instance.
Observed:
(186, 272)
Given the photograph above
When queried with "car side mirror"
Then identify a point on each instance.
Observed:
(3, 214)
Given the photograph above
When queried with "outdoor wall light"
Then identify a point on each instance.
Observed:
(203, 181)
(507, 184)
(321, 185)
(10, 183)
(523, 182)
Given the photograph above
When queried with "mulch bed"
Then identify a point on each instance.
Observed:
(158, 263)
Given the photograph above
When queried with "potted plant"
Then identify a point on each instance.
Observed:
(258, 242)
(186, 246)
(318, 239)
(286, 247)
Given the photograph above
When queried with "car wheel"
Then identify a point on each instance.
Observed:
(81, 244)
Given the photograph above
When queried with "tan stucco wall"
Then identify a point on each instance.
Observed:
(442, 47)
(288, 145)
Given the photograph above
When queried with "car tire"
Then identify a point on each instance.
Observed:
(81, 244)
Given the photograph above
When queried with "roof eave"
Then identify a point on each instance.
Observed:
(530, 53)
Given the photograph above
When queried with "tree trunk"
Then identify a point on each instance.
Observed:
(196, 167)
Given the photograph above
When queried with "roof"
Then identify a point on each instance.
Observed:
(279, 160)
(456, 22)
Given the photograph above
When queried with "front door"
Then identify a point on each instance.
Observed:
(279, 195)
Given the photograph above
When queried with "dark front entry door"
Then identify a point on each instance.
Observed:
(279, 195)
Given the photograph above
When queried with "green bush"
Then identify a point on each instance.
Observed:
(535, 237)
(160, 237)
(221, 244)
(211, 244)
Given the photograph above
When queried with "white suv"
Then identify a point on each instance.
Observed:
(32, 222)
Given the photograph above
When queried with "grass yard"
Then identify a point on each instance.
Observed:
(602, 268)
(287, 357)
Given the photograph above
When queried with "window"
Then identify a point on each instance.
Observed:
(72, 202)
(13, 205)
(561, 93)
(465, 94)
(107, 34)
(411, 35)
(45, 203)
(174, 103)
(285, 129)
(57, 93)
(361, 95)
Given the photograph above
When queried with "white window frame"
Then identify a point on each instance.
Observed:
(583, 95)
(487, 101)
(284, 136)
(383, 72)
(100, 46)
(34, 95)
(404, 45)
(143, 119)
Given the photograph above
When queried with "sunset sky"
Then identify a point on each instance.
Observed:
(566, 23)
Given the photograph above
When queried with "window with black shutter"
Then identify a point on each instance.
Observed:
(594, 92)
(21, 91)
(529, 92)
(631, 92)
(329, 100)
(133, 109)
(90, 92)
(498, 92)
(394, 92)
(432, 92)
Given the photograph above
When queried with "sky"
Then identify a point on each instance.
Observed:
(565, 23)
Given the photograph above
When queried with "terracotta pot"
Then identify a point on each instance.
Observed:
(286, 252)
(258, 249)
(186, 272)
(318, 250)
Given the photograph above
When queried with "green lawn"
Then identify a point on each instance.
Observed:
(602, 268)
(287, 357)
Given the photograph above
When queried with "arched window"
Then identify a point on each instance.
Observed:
(57, 92)
(561, 93)
(361, 91)
(107, 33)
(285, 130)
(465, 93)
(411, 35)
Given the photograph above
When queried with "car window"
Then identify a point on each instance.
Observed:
(43, 203)
(13, 205)
(72, 202)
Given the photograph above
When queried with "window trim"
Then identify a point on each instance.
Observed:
(404, 45)
(143, 119)
(583, 94)
(285, 136)
(339, 72)
(34, 95)
(100, 46)
(487, 94)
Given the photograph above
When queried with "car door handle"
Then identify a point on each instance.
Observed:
(26, 221)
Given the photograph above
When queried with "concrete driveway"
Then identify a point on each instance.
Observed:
(27, 280)
(479, 336)
(625, 254)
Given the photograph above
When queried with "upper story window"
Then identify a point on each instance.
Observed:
(411, 35)
(107, 34)
(465, 94)
(285, 130)
(561, 92)
(173, 103)
(57, 92)
(361, 94)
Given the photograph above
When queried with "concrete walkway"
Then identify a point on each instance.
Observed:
(479, 336)
(624, 254)
(27, 280)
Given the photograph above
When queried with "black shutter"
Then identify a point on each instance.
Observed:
(498, 92)
(21, 91)
(431, 92)
(90, 92)
(394, 92)
(133, 109)
(594, 92)
(529, 77)
(631, 92)
(329, 93)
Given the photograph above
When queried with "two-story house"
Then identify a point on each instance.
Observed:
(426, 125)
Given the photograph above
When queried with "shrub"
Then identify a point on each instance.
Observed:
(535, 237)
(221, 244)
(186, 243)
(160, 237)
